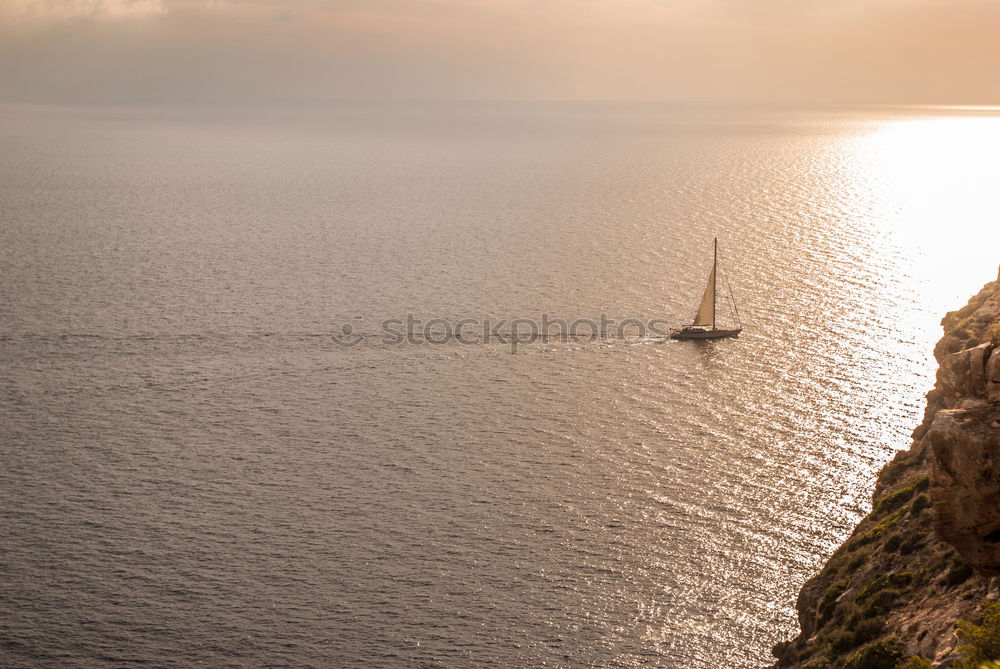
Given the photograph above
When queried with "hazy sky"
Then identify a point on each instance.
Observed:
(254, 51)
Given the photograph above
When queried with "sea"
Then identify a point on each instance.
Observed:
(384, 384)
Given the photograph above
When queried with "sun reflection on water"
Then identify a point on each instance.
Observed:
(938, 201)
(925, 188)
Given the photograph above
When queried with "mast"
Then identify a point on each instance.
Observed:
(715, 274)
(705, 316)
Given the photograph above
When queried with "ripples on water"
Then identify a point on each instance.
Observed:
(195, 473)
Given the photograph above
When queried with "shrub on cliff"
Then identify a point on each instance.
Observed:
(959, 572)
(882, 654)
(980, 638)
(993, 334)
(885, 654)
(878, 596)
(920, 503)
(917, 663)
(895, 500)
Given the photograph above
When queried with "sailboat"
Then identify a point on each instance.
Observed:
(705, 326)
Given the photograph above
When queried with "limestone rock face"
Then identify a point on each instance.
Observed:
(992, 376)
(964, 446)
(962, 437)
(961, 433)
(963, 374)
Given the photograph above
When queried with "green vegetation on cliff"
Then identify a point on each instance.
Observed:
(980, 638)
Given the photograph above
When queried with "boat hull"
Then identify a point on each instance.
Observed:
(704, 334)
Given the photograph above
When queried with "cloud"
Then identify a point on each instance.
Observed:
(908, 51)
(49, 10)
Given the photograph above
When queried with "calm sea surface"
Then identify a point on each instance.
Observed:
(195, 471)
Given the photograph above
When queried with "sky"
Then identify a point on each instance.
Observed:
(148, 52)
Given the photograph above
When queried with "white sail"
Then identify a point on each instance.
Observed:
(706, 310)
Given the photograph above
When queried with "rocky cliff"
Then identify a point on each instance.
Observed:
(927, 555)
